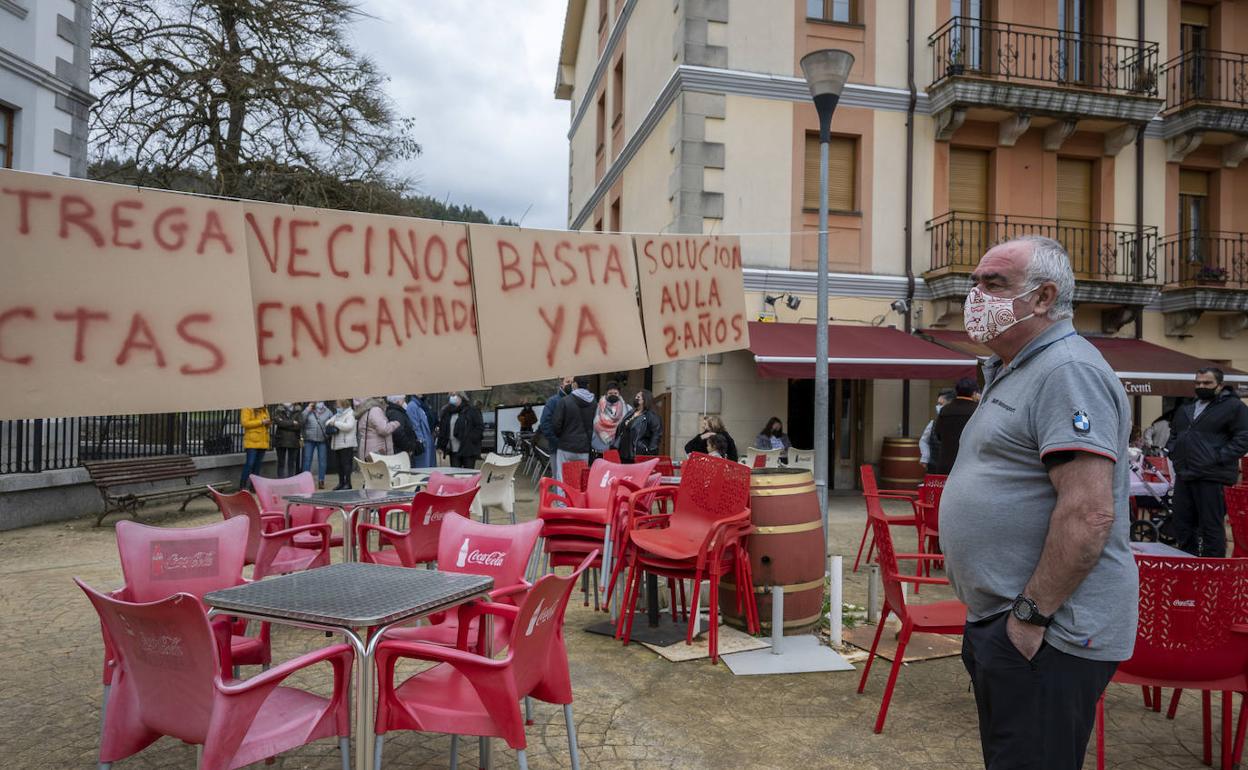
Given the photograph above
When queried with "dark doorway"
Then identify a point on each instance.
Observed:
(845, 420)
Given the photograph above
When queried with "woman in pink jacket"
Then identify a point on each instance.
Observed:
(373, 429)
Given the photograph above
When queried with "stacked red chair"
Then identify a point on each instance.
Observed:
(1237, 515)
(441, 483)
(419, 543)
(871, 490)
(665, 466)
(473, 694)
(500, 551)
(272, 493)
(612, 456)
(927, 513)
(945, 617)
(703, 538)
(169, 682)
(576, 521)
(1192, 634)
(272, 549)
(575, 474)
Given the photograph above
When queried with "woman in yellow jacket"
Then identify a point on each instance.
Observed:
(255, 442)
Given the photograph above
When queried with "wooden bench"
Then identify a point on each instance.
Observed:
(126, 485)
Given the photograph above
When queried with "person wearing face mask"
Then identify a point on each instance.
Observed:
(314, 418)
(573, 423)
(928, 448)
(461, 431)
(611, 411)
(287, 425)
(641, 432)
(950, 423)
(1034, 516)
(545, 425)
(1207, 438)
(712, 428)
(373, 431)
(774, 437)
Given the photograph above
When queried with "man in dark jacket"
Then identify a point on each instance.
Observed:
(461, 431)
(1207, 438)
(286, 429)
(573, 424)
(947, 432)
(545, 425)
(404, 436)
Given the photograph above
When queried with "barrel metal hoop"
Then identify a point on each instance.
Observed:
(791, 588)
(788, 529)
(782, 492)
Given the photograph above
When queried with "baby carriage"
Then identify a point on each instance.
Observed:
(1152, 485)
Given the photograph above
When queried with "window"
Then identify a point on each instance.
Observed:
(1194, 213)
(842, 11)
(6, 137)
(615, 216)
(968, 199)
(1074, 212)
(1194, 38)
(602, 123)
(602, 15)
(617, 89)
(842, 173)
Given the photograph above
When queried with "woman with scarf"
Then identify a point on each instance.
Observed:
(610, 413)
(712, 426)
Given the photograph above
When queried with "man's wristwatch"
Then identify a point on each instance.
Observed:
(1025, 610)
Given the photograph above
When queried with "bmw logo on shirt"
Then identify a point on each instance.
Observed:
(1081, 421)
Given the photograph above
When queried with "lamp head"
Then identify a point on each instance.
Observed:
(826, 72)
(793, 302)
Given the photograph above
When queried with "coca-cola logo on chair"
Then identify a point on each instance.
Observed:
(477, 552)
(180, 559)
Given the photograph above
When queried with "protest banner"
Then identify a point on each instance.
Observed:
(692, 295)
(552, 303)
(350, 304)
(116, 300)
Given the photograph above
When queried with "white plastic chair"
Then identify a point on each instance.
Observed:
(498, 486)
(802, 458)
(771, 456)
(396, 463)
(400, 461)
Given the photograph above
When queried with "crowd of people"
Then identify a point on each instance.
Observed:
(577, 425)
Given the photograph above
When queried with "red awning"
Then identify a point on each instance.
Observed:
(1145, 369)
(787, 351)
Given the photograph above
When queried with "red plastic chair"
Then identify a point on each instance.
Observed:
(927, 509)
(703, 537)
(945, 617)
(612, 456)
(575, 474)
(169, 683)
(664, 468)
(1237, 514)
(441, 483)
(870, 489)
(272, 492)
(469, 694)
(1192, 634)
(273, 550)
(419, 543)
(1243, 471)
(501, 551)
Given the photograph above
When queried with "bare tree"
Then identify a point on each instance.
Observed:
(265, 97)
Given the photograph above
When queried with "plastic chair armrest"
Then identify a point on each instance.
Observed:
(275, 675)
(899, 492)
(1239, 628)
(888, 496)
(272, 522)
(548, 484)
(326, 531)
(473, 610)
(921, 556)
(921, 580)
(391, 650)
(507, 592)
(645, 522)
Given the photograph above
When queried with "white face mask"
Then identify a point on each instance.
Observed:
(987, 317)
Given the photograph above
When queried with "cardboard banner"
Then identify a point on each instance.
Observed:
(552, 303)
(117, 300)
(692, 295)
(350, 304)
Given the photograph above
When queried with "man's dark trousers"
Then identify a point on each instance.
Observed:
(1032, 714)
(1199, 518)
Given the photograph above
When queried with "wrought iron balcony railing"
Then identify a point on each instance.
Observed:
(1206, 258)
(1213, 78)
(1036, 55)
(1099, 251)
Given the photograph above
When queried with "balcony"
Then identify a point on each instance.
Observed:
(1024, 70)
(1207, 103)
(1111, 268)
(1205, 272)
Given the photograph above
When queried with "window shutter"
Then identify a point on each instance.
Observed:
(1191, 13)
(968, 180)
(842, 173)
(1193, 182)
(1074, 189)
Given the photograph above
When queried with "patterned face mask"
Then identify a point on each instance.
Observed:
(987, 317)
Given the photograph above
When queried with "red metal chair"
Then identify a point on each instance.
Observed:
(169, 683)
(419, 543)
(1237, 514)
(469, 694)
(272, 493)
(945, 617)
(1192, 634)
(273, 550)
(703, 537)
(870, 489)
(501, 551)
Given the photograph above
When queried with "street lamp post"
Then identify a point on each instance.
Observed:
(825, 72)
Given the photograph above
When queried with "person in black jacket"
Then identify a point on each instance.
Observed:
(641, 433)
(287, 427)
(460, 431)
(573, 424)
(404, 436)
(947, 432)
(1207, 438)
(712, 426)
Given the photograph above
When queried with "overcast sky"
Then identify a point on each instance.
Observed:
(479, 79)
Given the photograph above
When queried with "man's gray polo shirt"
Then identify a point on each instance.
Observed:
(1057, 394)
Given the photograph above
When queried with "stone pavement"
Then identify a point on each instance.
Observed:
(633, 709)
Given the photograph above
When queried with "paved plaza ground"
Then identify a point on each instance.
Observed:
(633, 709)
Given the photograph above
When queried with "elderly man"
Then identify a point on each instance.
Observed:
(1033, 519)
(1207, 438)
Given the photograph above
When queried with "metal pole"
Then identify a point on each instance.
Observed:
(838, 607)
(821, 336)
(777, 619)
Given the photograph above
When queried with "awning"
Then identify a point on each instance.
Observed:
(1145, 369)
(786, 351)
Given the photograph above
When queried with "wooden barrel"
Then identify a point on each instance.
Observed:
(899, 463)
(786, 549)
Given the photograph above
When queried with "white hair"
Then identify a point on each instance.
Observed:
(1050, 262)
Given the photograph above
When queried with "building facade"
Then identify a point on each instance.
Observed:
(45, 72)
(1118, 127)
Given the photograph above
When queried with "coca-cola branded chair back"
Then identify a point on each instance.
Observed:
(419, 544)
(498, 551)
